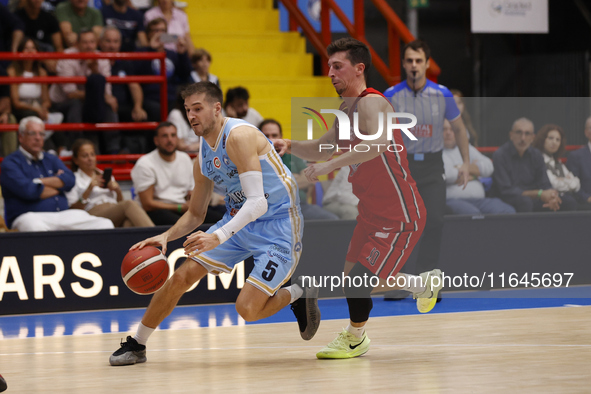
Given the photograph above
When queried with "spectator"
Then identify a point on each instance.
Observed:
(128, 21)
(34, 185)
(188, 140)
(459, 99)
(41, 26)
(11, 30)
(177, 23)
(75, 16)
(551, 141)
(91, 194)
(129, 96)
(8, 138)
(163, 179)
(236, 106)
(470, 200)
(201, 61)
(92, 102)
(141, 5)
(520, 172)
(431, 103)
(339, 198)
(272, 130)
(178, 69)
(579, 162)
(29, 99)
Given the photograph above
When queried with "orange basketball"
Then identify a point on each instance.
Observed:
(145, 270)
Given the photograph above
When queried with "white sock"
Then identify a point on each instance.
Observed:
(413, 283)
(143, 333)
(357, 331)
(296, 292)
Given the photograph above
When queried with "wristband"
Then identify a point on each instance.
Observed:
(540, 193)
(179, 208)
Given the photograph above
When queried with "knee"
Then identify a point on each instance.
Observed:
(178, 283)
(247, 311)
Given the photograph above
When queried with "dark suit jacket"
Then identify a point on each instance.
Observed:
(579, 163)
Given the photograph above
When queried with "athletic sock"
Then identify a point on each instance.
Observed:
(143, 333)
(295, 291)
(357, 331)
(413, 283)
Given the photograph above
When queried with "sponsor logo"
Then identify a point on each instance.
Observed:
(218, 179)
(209, 167)
(216, 162)
(298, 247)
(232, 173)
(224, 142)
(423, 131)
(226, 160)
(233, 212)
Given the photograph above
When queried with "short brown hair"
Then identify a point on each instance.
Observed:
(155, 22)
(200, 53)
(542, 134)
(357, 52)
(415, 46)
(213, 94)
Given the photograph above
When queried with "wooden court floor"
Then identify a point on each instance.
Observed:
(545, 350)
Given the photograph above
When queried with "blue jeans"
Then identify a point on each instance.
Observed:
(477, 206)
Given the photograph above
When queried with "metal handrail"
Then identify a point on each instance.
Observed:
(161, 79)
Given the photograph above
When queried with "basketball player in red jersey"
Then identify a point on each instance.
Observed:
(391, 212)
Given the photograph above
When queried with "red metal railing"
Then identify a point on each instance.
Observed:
(397, 31)
(161, 79)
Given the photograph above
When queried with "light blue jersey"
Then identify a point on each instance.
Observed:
(281, 189)
(274, 239)
(431, 105)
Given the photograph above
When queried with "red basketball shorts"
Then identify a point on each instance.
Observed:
(384, 250)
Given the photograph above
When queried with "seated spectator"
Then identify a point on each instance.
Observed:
(8, 140)
(41, 26)
(469, 200)
(201, 61)
(34, 185)
(466, 118)
(520, 172)
(129, 96)
(128, 21)
(91, 194)
(579, 162)
(163, 179)
(236, 106)
(75, 16)
(176, 21)
(551, 141)
(92, 102)
(188, 140)
(272, 130)
(29, 99)
(339, 198)
(11, 31)
(178, 69)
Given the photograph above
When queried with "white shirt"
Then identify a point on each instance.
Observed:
(569, 183)
(341, 190)
(452, 159)
(98, 195)
(172, 180)
(252, 116)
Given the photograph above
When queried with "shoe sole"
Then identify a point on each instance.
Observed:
(342, 356)
(433, 298)
(121, 362)
(311, 305)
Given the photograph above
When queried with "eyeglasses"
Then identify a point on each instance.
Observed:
(525, 133)
(30, 133)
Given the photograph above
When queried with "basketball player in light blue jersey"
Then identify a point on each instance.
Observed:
(263, 220)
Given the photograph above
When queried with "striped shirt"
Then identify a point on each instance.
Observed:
(431, 105)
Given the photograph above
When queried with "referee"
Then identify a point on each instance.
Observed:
(431, 104)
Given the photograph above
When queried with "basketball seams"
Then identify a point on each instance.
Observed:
(142, 265)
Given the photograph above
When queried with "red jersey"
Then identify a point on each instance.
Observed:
(386, 190)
